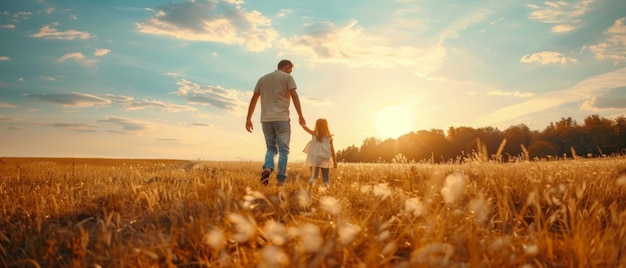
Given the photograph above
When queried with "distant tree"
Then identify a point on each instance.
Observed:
(491, 138)
(408, 146)
(349, 154)
(516, 136)
(369, 151)
(566, 134)
(387, 150)
(599, 135)
(543, 149)
(431, 145)
(462, 141)
(619, 129)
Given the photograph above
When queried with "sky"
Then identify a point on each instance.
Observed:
(173, 79)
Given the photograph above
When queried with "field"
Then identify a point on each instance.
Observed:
(170, 213)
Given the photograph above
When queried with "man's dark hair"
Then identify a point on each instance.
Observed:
(284, 63)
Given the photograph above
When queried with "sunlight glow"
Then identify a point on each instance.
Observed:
(394, 121)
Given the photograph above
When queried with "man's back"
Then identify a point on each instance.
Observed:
(275, 98)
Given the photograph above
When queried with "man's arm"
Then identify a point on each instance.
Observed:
(251, 107)
(296, 103)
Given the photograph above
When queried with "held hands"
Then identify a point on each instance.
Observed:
(302, 121)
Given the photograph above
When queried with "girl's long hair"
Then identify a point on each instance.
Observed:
(321, 129)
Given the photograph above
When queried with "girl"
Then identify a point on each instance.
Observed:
(320, 151)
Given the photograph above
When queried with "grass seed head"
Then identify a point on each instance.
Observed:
(348, 232)
(330, 205)
(453, 187)
(245, 228)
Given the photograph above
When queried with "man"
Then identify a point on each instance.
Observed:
(275, 90)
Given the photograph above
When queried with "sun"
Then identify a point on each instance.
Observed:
(394, 121)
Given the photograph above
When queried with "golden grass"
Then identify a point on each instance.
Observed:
(139, 213)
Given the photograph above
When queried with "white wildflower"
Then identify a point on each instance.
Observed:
(273, 256)
(330, 204)
(347, 233)
(311, 240)
(304, 198)
(245, 227)
(480, 208)
(414, 206)
(382, 190)
(215, 238)
(275, 232)
(454, 187)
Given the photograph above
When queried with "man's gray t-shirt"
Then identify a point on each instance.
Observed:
(275, 98)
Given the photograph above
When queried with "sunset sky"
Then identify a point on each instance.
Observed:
(173, 79)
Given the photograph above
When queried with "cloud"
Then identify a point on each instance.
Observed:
(201, 125)
(8, 26)
(226, 99)
(511, 93)
(131, 104)
(71, 126)
(564, 14)
(72, 99)
(547, 57)
(74, 55)
(101, 52)
(603, 103)
(614, 46)
(17, 17)
(7, 105)
(48, 32)
(212, 21)
(119, 98)
(4, 58)
(128, 124)
(156, 104)
(284, 12)
(580, 92)
(351, 45)
(453, 29)
(78, 57)
(6, 119)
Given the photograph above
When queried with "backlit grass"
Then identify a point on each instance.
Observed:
(139, 213)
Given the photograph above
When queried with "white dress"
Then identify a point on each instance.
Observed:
(318, 153)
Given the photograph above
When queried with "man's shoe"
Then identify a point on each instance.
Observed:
(265, 175)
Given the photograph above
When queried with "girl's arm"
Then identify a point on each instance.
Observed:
(308, 130)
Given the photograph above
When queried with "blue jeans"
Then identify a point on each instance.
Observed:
(277, 135)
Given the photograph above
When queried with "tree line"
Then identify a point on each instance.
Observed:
(597, 136)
